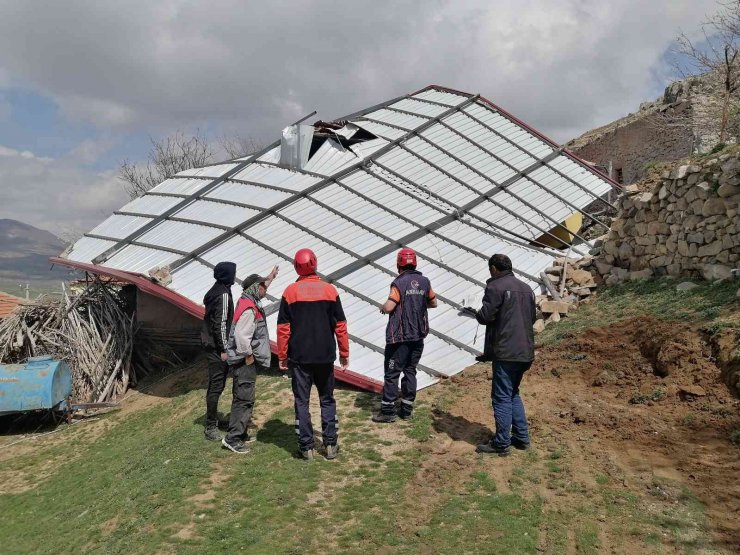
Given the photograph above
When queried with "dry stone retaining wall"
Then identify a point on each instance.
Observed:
(684, 223)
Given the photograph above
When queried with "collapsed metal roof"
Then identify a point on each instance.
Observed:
(446, 173)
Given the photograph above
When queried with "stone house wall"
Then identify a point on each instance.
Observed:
(632, 147)
(684, 223)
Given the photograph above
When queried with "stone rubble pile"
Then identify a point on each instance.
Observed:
(683, 224)
(578, 286)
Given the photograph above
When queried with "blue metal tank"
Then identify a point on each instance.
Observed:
(41, 383)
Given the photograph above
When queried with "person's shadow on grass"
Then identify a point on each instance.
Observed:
(459, 428)
(278, 433)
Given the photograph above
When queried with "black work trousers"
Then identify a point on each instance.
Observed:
(242, 403)
(218, 370)
(303, 377)
(400, 358)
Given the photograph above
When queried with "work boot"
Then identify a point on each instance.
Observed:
(212, 434)
(306, 455)
(383, 418)
(404, 414)
(237, 446)
(491, 449)
(518, 444)
(331, 452)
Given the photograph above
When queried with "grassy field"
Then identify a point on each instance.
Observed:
(143, 479)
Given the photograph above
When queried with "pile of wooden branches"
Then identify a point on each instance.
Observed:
(90, 331)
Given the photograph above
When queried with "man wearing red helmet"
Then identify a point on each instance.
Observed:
(408, 324)
(310, 318)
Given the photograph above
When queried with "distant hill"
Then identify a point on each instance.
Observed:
(25, 252)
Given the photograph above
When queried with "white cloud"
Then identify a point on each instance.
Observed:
(27, 154)
(562, 65)
(56, 195)
(151, 67)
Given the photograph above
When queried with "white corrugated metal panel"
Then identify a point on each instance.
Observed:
(404, 121)
(119, 227)
(151, 204)
(287, 239)
(250, 258)
(588, 179)
(510, 130)
(330, 157)
(324, 223)
(181, 186)
(216, 213)
(556, 184)
(214, 171)
(414, 170)
(367, 213)
(279, 177)
(138, 259)
(380, 130)
(494, 171)
(442, 97)
(421, 108)
(519, 158)
(367, 148)
(400, 199)
(192, 280)
(253, 195)
(272, 156)
(179, 235)
(87, 248)
(434, 155)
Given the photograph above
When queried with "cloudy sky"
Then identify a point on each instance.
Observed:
(84, 84)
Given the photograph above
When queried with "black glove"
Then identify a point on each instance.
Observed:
(468, 311)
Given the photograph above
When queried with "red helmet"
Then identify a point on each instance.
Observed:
(406, 257)
(304, 262)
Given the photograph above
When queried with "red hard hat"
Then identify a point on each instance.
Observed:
(406, 257)
(304, 262)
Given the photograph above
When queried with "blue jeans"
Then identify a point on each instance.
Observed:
(508, 408)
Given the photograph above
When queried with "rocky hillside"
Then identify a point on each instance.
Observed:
(25, 250)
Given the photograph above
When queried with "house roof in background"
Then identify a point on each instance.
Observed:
(8, 303)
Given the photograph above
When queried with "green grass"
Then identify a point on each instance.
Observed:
(134, 488)
(656, 297)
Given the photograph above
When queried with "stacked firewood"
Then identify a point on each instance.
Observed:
(90, 331)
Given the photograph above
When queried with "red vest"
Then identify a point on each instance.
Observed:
(244, 304)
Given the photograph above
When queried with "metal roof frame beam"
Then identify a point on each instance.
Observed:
(319, 185)
(541, 162)
(497, 187)
(472, 204)
(185, 202)
(524, 150)
(485, 196)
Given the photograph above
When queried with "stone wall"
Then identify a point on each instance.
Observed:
(682, 222)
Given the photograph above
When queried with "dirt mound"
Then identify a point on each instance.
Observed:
(655, 392)
(644, 397)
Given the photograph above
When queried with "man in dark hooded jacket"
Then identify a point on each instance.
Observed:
(219, 312)
(508, 312)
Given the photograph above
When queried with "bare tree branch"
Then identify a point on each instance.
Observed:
(167, 157)
(238, 146)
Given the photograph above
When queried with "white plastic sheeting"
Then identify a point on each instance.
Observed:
(448, 175)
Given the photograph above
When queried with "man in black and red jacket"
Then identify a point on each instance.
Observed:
(219, 311)
(309, 319)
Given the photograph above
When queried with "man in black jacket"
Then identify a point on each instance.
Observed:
(219, 312)
(508, 312)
